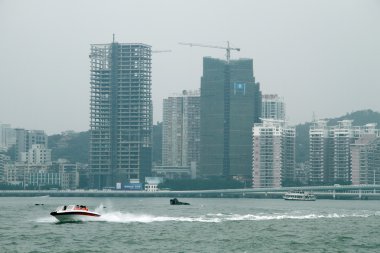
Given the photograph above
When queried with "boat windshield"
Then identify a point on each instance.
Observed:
(70, 207)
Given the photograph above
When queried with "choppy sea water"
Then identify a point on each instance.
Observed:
(207, 225)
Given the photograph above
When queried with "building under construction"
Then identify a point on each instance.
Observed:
(120, 113)
(230, 104)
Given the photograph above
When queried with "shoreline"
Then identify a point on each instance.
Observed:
(183, 194)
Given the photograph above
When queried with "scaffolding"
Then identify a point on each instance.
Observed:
(120, 113)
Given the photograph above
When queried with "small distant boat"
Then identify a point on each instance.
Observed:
(175, 201)
(299, 195)
(72, 213)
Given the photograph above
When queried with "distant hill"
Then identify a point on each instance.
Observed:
(74, 146)
(71, 146)
(359, 118)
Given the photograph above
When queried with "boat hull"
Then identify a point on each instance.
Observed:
(75, 216)
(300, 199)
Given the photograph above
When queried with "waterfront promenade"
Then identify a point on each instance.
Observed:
(362, 192)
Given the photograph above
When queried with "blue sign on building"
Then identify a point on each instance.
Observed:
(133, 187)
(239, 88)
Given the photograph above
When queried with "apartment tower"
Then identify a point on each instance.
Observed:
(181, 122)
(273, 154)
(273, 107)
(365, 155)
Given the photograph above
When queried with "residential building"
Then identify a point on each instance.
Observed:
(288, 156)
(273, 154)
(26, 138)
(181, 129)
(319, 161)
(335, 151)
(230, 105)
(20, 173)
(7, 136)
(40, 179)
(37, 154)
(273, 107)
(365, 156)
(343, 137)
(3, 159)
(69, 175)
(120, 113)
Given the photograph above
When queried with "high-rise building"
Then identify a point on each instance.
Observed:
(2, 167)
(230, 105)
(157, 144)
(25, 139)
(7, 136)
(288, 156)
(330, 151)
(343, 136)
(37, 154)
(365, 155)
(181, 129)
(120, 113)
(273, 154)
(273, 107)
(319, 153)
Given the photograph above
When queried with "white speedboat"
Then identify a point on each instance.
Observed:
(73, 213)
(299, 195)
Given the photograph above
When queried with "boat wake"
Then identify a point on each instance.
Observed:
(216, 218)
(108, 215)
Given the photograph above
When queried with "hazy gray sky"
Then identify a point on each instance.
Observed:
(322, 56)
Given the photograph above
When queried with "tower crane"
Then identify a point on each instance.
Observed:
(228, 48)
(161, 51)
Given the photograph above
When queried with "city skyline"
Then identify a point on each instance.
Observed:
(333, 53)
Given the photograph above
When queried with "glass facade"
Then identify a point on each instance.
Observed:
(230, 105)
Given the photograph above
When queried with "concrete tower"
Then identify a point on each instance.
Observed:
(120, 113)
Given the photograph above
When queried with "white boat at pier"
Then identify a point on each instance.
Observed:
(299, 195)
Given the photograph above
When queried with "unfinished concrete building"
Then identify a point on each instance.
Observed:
(120, 113)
